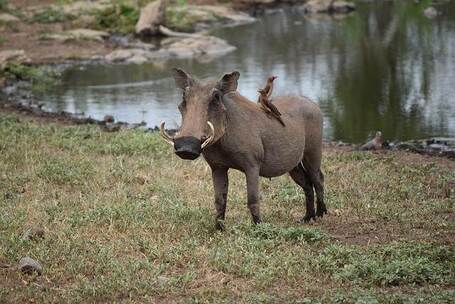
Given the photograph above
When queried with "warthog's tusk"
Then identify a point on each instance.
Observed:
(211, 137)
(166, 136)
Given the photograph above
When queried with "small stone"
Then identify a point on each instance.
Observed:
(28, 265)
(108, 118)
(33, 234)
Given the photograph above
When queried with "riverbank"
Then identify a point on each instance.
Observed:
(126, 220)
(53, 32)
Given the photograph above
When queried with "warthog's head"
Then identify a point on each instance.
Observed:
(203, 113)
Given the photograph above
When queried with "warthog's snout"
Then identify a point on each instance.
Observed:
(187, 147)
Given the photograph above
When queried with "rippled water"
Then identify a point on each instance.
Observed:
(385, 67)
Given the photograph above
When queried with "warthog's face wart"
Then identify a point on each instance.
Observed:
(203, 114)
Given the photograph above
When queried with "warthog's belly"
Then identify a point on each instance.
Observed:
(283, 151)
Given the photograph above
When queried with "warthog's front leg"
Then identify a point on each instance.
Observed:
(220, 185)
(252, 185)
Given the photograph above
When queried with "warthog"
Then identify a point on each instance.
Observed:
(232, 132)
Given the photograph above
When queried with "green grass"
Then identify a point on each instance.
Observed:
(3, 5)
(51, 15)
(119, 18)
(41, 78)
(126, 220)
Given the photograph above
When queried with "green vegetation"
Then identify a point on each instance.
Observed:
(120, 18)
(184, 17)
(3, 5)
(126, 220)
(41, 78)
(391, 265)
(51, 15)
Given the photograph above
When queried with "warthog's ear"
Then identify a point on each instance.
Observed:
(229, 82)
(182, 79)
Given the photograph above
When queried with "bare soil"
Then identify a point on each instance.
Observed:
(28, 37)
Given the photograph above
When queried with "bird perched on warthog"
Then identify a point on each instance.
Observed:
(233, 132)
(265, 100)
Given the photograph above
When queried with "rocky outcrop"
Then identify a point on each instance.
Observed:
(193, 18)
(12, 56)
(152, 16)
(195, 46)
(328, 6)
(7, 18)
(130, 55)
(78, 34)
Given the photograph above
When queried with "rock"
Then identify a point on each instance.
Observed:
(88, 34)
(128, 55)
(328, 6)
(108, 118)
(190, 18)
(77, 34)
(29, 266)
(430, 12)
(34, 233)
(152, 16)
(7, 18)
(12, 55)
(196, 46)
(231, 16)
(140, 45)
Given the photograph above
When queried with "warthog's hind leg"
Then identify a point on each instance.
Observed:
(319, 187)
(252, 185)
(220, 185)
(301, 178)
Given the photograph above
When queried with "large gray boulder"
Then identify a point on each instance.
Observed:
(152, 16)
(328, 6)
(190, 47)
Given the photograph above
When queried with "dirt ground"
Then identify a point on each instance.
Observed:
(27, 36)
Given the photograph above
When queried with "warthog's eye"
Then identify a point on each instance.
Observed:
(216, 95)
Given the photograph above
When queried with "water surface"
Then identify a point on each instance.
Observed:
(386, 67)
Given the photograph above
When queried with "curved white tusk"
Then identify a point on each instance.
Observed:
(211, 137)
(166, 136)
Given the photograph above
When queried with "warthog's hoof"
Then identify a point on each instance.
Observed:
(219, 225)
(307, 218)
(321, 211)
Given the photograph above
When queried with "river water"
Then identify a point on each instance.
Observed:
(385, 67)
